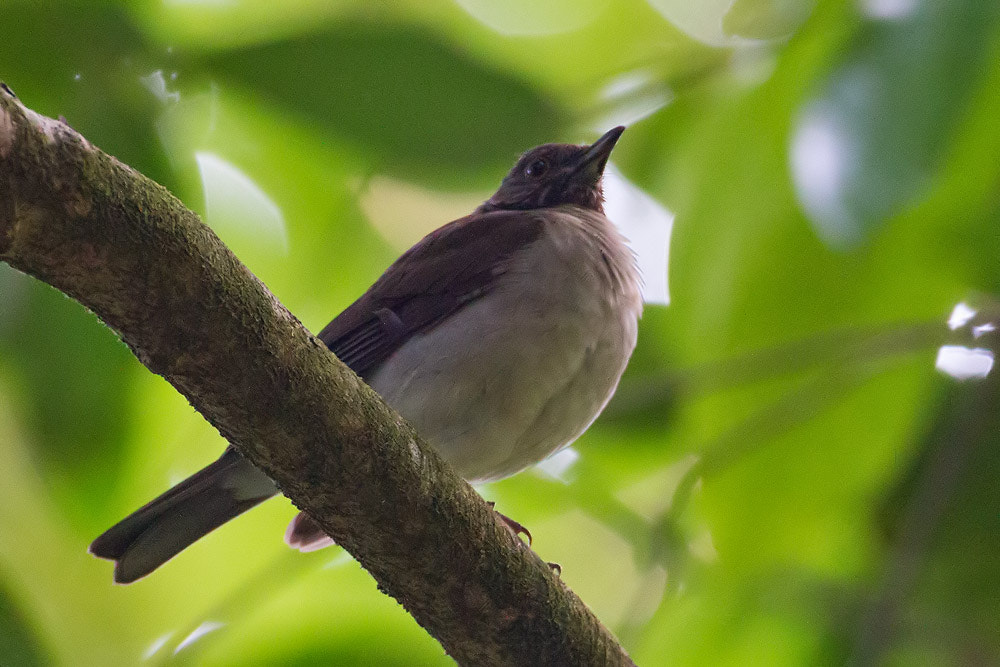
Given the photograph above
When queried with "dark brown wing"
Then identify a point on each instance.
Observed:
(447, 269)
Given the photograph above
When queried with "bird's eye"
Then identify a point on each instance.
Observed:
(536, 168)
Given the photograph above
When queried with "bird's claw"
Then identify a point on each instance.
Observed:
(513, 526)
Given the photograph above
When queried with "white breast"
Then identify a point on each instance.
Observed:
(523, 371)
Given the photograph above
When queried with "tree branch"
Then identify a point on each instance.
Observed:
(124, 247)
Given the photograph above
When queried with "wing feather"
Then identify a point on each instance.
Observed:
(449, 268)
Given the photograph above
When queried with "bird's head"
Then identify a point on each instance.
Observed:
(554, 174)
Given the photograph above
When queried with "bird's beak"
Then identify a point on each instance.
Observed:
(591, 164)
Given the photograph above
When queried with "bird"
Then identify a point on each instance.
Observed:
(499, 337)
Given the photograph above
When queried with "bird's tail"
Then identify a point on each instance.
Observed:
(157, 532)
(306, 535)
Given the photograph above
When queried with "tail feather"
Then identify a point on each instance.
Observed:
(164, 527)
(305, 534)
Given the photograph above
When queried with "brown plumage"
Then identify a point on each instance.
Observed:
(499, 336)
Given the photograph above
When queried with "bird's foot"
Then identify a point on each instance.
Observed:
(513, 526)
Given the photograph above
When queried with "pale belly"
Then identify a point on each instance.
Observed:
(523, 371)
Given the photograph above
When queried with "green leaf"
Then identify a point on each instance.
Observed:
(423, 109)
(869, 144)
(19, 644)
(84, 62)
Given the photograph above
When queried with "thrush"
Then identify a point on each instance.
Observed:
(500, 337)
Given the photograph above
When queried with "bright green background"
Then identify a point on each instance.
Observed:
(784, 478)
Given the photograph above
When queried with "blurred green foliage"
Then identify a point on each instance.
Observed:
(783, 478)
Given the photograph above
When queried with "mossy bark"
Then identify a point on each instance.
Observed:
(124, 247)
